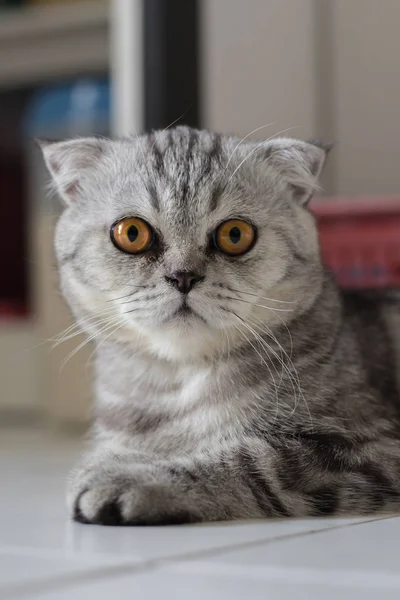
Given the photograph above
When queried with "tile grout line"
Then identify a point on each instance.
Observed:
(25, 590)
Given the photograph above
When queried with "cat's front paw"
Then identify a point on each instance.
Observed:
(105, 503)
(127, 500)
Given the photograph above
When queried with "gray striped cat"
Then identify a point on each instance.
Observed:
(232, 379)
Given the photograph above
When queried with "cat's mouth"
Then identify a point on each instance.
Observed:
(186, 312)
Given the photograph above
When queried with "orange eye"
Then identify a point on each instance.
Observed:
(235, 237)
(132, 235)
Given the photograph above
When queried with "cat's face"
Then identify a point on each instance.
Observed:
(184, 241)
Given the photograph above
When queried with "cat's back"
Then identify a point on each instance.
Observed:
(374, 319)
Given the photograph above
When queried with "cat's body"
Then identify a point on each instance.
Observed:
(262, 391)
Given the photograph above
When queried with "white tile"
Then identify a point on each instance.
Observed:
(43, 555)
(141, 544)
(33, 515)
(369, 547)
(24, 570)
(181, 584)
(357, 579)
(40, 531)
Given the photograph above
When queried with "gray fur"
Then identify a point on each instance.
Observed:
(278, 397)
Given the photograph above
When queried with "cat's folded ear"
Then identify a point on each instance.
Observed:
(70, 163)
(299, 163)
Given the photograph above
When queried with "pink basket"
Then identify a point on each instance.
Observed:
(360, 240)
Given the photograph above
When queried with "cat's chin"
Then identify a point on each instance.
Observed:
(184, 321)
(184, 338)
(186, 316)
(182, 316)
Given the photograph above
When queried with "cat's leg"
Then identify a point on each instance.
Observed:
(123, 489)
(249, 480)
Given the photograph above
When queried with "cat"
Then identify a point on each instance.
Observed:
(233, 380)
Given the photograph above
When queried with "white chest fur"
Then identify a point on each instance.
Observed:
(162, 407)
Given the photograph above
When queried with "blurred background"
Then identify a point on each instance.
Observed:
(310, 68)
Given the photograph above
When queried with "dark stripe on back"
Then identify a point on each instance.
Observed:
(382, 489)
(333, 452)
(328, 440)
(338, 454)
(324, 500)
(290, 466)
(265, 497)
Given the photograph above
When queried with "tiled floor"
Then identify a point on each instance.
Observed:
(43, 555)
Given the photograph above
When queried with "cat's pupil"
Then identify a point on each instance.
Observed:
(132, 233)
(235, 235)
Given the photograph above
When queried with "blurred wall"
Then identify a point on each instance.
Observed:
(366, 87)
(20, 376)
(328, 68)
(258, 66)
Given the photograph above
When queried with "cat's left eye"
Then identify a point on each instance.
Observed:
(132, 235)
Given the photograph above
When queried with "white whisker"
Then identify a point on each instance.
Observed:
(260, 146)
(170, 125)
(260, 305)
(245, 138)
(263, 297)
(265, 363)
(87, 341)
(78, 325)
(278, 358)
(81, 330)
(138, 287)
(255, 349)
(116, 328)
(294, 374)
(266, 347)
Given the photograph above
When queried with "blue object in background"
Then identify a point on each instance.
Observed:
(56, 112)
(80, 107)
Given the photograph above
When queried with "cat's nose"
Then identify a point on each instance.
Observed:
(184, 281)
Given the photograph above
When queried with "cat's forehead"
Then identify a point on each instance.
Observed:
(185, 166)
(185, 143)
(187, 177)
(179, 173)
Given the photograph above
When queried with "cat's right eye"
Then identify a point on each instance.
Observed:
(234, 237)
(132, 235)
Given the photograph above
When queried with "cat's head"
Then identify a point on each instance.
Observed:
(183, 241)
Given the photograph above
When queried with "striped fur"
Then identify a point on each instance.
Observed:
(278, 395)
